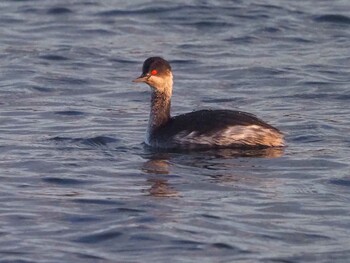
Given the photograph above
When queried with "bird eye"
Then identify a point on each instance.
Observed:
(154, 72)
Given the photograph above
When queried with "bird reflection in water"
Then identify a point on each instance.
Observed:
(271, 152)
(158, 165)
(159, 186)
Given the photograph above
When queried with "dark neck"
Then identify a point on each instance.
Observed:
(160, 110)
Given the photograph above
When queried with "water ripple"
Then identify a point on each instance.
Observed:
(54, 57)
(59, 11)
(99, 237)
(142, 11)
(62, 181)
(70, 113)
(333, 18)
(341, 182)
(94, 141)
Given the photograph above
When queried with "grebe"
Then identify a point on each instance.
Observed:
(200, 129)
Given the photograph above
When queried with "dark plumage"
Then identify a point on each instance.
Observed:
(161, 65)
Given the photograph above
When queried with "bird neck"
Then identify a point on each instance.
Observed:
(160, 109)
(160, 105)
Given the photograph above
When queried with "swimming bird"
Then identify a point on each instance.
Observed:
(203, 129)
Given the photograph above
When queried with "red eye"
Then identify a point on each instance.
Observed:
(154, 72)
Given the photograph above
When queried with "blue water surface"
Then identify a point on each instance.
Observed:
(78, 185)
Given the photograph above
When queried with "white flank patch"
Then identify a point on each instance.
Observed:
(242, 135)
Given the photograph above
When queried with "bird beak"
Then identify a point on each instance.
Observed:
(142, 78)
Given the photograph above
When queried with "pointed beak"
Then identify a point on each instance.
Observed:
(142, 78)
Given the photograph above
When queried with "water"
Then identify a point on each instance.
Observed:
(77, 185)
